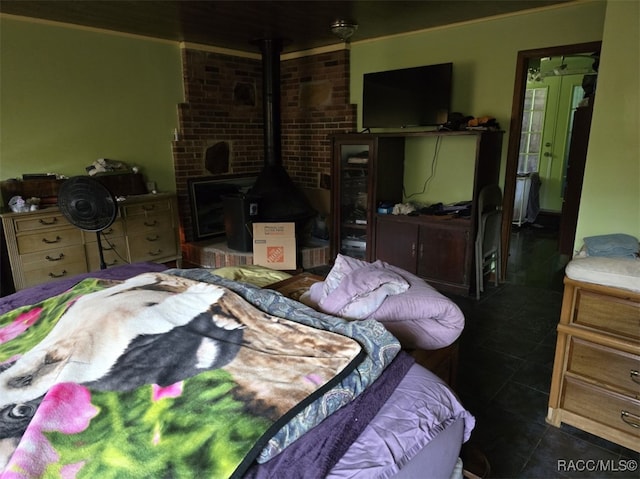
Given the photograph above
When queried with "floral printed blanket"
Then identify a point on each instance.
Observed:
(176, 374)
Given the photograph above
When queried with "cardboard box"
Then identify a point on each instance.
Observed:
(274, 245)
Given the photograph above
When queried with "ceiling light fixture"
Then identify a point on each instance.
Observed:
(343, 29)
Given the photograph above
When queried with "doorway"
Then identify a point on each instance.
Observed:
(526, 61)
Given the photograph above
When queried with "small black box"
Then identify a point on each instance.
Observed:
(240, 212)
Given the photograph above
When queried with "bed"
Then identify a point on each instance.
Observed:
(143, 371)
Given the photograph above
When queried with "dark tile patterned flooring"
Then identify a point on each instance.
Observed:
(506, 359)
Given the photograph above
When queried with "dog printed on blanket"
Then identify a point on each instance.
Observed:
(153, 323)
(76, 350)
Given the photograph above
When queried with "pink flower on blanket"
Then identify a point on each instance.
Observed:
(19, 325)
(173, 391)
(65, 408)
(158, 393)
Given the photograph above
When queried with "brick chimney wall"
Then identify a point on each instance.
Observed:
(315, 104)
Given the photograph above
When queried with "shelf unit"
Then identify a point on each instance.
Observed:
(436, 248)
(367, 170)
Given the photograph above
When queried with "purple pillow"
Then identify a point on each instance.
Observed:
(420, 317)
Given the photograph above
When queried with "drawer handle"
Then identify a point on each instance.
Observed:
(630, 419)
(151, 223)
(57, 240)
(53, 275)
(148, 207)
(155, 253)
(60, 256)
(635, 376)
(153, 238)
(53, 221)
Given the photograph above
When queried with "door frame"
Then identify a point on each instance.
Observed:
(515, 127)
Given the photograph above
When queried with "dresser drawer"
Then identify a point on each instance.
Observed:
(153, 246)
(53, 258)
(54, 271)
(114, 250)
(161, 206)
(112, 257)
(114, 231)
(35, 222)
(602, 406)
(607, 313)
(606, 366)
(149, 224)
(49, 239)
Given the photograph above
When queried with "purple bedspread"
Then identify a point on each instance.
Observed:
(38, 293)
(314, 454)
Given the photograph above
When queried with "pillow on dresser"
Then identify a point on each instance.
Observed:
(617, 245)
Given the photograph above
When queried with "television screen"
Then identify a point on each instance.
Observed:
(419, 96)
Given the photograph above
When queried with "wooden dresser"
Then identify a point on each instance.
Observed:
(596, 374)
(43, 245)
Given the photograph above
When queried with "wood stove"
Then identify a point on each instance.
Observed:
(282, 200)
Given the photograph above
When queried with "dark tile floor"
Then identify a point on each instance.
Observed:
(506, 358)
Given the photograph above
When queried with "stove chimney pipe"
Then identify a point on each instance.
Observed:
(271, 49)
(280, 200)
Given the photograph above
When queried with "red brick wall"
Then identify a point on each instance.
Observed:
(315, 103)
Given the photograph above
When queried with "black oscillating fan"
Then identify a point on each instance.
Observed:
(88, 205)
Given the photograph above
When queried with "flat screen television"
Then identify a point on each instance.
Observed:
(419, 96)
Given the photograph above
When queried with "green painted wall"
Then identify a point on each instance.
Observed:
(483, 53)
(70, 96)
(611, 190)
(439, 169)
(484, 56)
(484, 67)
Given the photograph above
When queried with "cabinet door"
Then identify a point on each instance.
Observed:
(352, 179)
(443, 254)
(397, 243)
(366, 170)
